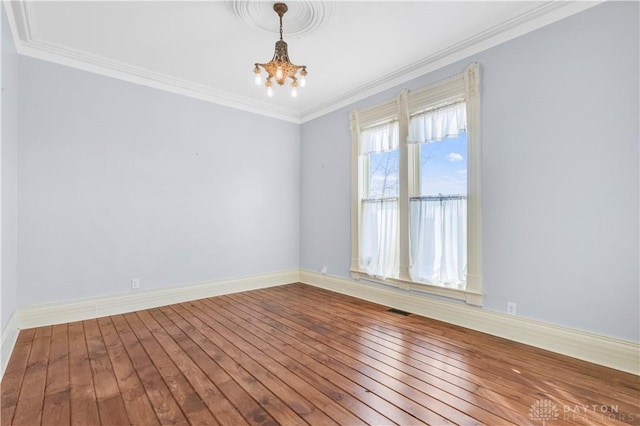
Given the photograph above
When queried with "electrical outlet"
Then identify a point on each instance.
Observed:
(511, 308)
(323, 270)
(135, 283)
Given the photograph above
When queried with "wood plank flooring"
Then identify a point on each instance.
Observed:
(295, 355)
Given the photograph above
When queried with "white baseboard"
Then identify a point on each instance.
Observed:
(610, 352)
(8, 342)
(95, 307)
(603, 350)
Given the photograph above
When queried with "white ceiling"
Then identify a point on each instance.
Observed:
(206, 49)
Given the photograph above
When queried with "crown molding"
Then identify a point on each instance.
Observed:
(538, 17)
(23, 25)
(24, 29)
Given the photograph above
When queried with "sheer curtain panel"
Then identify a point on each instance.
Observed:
(379, 138)
(438, 124)
(379, 238)
(438, 240)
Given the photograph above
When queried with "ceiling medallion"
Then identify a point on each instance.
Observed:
(304, 17)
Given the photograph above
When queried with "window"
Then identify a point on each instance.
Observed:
(416, 190)
(379, 151)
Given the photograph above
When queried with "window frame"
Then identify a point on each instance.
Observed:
(464, 86)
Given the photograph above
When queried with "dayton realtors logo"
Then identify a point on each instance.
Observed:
(543, 410)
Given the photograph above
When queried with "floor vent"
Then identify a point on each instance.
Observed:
(399, 312)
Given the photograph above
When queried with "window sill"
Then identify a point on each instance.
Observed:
(469, 297)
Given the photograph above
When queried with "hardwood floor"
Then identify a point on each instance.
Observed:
(295, 355)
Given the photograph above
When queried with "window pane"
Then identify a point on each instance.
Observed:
(383, 174)
(443, 166)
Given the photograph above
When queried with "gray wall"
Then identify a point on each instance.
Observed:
(9, 155)
(120, 181)
(560, 134)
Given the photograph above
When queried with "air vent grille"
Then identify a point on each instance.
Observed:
(399, 312)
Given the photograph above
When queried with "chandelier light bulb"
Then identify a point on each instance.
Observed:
(258, 77)
(294, 92)
(269, 87)
(279, 74)
(303, 81)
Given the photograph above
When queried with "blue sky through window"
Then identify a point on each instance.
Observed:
(443, 166)
(443, 169)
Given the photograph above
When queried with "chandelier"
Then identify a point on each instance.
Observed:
(279, 68)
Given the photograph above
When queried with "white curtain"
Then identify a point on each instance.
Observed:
(438, 240)
(438, 124)
(379, 138)
(438, 224)
(379, 238)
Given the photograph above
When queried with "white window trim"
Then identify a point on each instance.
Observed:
(465, 85)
